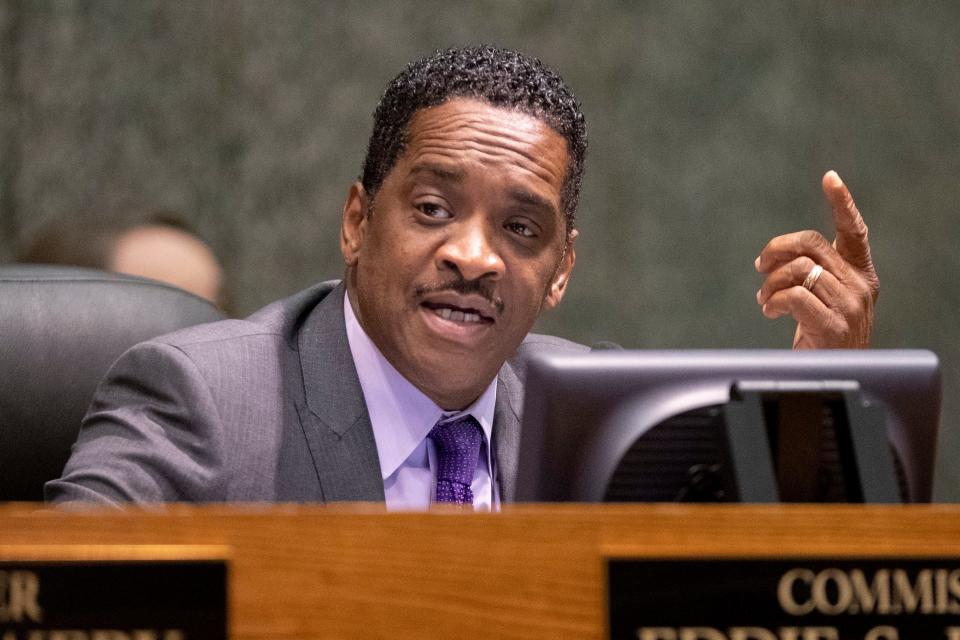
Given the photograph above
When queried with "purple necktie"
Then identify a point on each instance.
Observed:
(458, 449)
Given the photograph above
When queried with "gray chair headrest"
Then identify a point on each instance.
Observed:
(60, 330)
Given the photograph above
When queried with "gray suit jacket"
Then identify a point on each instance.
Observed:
(264, 409)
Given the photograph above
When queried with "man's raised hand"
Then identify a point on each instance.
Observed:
(833, 307)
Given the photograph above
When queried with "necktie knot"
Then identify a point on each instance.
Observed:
(457, 445)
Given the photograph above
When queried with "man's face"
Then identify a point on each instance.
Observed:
(462, 248)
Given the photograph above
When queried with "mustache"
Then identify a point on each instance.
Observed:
(463, 287)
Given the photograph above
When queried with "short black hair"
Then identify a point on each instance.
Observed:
(91, 243)
(501, 77)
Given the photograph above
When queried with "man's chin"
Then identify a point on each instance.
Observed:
(454, 380)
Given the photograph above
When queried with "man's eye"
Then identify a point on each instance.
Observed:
(521, 229)
(434, 210)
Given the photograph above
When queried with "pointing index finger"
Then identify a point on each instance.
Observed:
(851, 230)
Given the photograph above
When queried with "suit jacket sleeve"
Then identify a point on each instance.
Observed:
(155, 438)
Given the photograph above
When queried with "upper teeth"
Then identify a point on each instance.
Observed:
(457, 316)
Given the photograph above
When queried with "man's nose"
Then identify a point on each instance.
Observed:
(472, 252)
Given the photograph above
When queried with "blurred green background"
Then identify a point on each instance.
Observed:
(710, 124)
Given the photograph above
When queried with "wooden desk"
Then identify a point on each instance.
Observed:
(530, 572)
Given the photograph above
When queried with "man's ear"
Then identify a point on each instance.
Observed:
(562, 275)
(353, 227)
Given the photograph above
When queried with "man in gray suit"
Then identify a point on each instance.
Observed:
(404, 382)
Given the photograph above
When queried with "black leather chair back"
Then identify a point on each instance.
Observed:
(60, 330)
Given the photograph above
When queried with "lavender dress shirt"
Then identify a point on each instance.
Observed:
(402, 416)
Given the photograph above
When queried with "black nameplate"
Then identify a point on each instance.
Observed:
(113, 600)
(858, 599)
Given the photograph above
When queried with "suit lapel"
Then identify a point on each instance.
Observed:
(334, 418)
(506, 431)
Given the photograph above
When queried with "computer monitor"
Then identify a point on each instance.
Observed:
(739, 425)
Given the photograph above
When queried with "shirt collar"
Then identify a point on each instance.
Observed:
(400, 414)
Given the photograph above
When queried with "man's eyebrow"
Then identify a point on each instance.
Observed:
(455, 174)
(532, 200)
(452, 174)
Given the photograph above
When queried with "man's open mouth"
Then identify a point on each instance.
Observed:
(454, 313)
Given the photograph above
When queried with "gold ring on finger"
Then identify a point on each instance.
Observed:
(811, 280)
